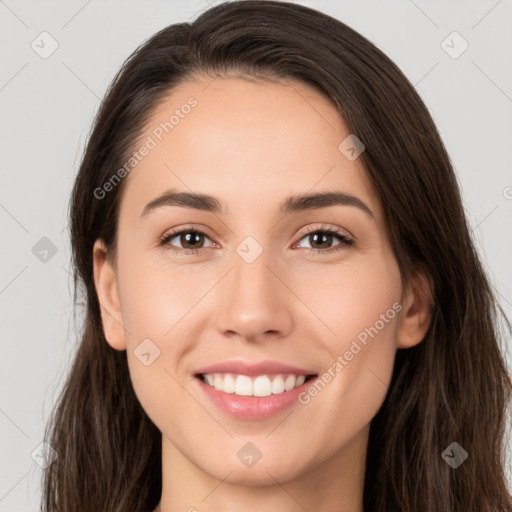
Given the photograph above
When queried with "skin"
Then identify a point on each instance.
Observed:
(251, 144)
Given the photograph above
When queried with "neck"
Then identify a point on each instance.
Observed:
(336, 483)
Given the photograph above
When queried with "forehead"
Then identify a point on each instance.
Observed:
(246, 141)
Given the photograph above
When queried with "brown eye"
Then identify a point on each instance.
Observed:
(321, 241)
(321, 238)
(190, 240)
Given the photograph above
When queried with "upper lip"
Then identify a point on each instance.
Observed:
(261, 368)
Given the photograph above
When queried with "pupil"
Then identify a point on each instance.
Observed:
(326, 237)
(191, 236)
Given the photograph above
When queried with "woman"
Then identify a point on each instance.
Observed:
(225, 365)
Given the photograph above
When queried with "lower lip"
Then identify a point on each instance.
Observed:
(253, 407)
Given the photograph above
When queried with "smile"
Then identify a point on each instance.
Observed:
(260, 385)
(253, 391)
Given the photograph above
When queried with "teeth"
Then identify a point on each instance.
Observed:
(218, 382)
(229, 384)
(277, 385)
(243, 386)
(289, 383)
(262, 385)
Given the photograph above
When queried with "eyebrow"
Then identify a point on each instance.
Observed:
(291, 204)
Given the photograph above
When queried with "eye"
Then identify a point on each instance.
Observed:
(191, 240)
(324, 236)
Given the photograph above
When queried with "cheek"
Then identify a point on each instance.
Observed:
(159, 304)
(361, 308)
(354, 298)
(165, 310)
(156, 297)
(159, 307)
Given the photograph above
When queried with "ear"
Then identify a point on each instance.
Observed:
(106, 289)
(416, 314)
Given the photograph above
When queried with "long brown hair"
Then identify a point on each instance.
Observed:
(452, 387)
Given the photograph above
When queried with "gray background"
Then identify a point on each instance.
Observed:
(47, 106)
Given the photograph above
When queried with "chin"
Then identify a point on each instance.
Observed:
(260, 474)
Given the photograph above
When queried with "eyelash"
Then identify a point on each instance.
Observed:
(346, 242)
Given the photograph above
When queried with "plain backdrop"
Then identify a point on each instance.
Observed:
(47, 103)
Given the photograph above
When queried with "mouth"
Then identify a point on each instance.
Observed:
(253, 391)
(256, 386)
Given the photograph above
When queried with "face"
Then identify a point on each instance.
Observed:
(302, 307)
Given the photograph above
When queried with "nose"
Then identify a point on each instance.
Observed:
(253, 301)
